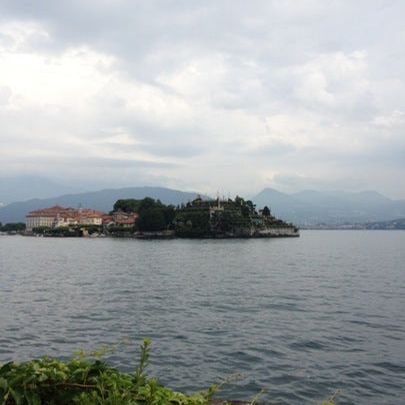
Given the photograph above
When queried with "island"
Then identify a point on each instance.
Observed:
(229, 219)
(149, 218)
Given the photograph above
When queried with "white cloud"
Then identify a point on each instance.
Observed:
(331, 81)
(196, 96)
(392, 120)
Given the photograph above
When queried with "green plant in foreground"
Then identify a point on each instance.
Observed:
(84, 381)
(332, 399)
(90, 381)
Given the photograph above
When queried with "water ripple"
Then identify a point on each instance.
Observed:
(300, 318)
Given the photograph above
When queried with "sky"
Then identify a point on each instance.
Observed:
(212, 96)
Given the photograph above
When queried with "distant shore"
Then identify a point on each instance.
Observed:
(277, 233)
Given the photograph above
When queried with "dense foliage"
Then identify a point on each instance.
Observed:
(192, 222)
(230, 218)
(12, 227)
(266, 211)
(127, 205)
(90, 381)
(62, 231)
(154, 215)
(87, 382)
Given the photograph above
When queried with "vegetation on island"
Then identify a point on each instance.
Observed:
(61, 231)
(154, 215)
(199, 218)
(88, 380)
(228, 218)
(70, 231)
(12, 227)
(127, 205)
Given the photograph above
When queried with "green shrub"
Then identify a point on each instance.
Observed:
(88, 380)
(85, 381)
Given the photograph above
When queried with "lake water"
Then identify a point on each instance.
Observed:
(299, 317)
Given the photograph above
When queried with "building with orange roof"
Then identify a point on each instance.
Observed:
(57, 216)
(124, 219)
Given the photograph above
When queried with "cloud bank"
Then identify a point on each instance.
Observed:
(226, 96)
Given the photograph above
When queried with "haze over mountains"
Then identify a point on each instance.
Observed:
(23, 188)
(101, 200)
(307, 207)
(312, 207)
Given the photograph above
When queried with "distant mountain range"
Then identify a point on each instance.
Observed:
(22, 188)
(304, 208)
(101, 200)
(385, 225)
(330, 207)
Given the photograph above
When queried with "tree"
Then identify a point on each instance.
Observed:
(148, 203)
(13, 227)
(169, 213)
(266, 211)
(251, 207)
(153, 214)
(151, 220)
(127, 205)
(245, 210)
(239, 201)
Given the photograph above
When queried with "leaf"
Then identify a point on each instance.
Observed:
(5, 398)
(3, 383)
(33, 398)
(5, 368)
(42, 378)
(16, 396)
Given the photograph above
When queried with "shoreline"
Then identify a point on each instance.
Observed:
(160, 236)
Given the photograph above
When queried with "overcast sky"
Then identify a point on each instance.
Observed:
(228, 96)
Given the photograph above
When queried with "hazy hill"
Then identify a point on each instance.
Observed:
(330, 207)
(307, 207)
(22, 188)
(102, 200)
(385, 225)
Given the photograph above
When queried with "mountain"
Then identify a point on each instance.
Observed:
(101, 200)
(24, 187)
(310, 207)
(385, 225)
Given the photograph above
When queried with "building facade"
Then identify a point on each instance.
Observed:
(124, 219)
(57, 216)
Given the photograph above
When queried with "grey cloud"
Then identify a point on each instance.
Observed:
(257, 58)
(120, 163)
(258, 29)
(173, 149)
(163, 147)
(153, 37)
(381, 155)
(277, 150)
(94, 162)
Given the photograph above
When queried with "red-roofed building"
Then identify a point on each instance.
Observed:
(58, 216)
(124, 219)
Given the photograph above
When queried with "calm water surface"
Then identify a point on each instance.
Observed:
(300, 318)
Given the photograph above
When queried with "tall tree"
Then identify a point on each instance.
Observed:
(151, 220)
(266, 211)
(127, 205)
